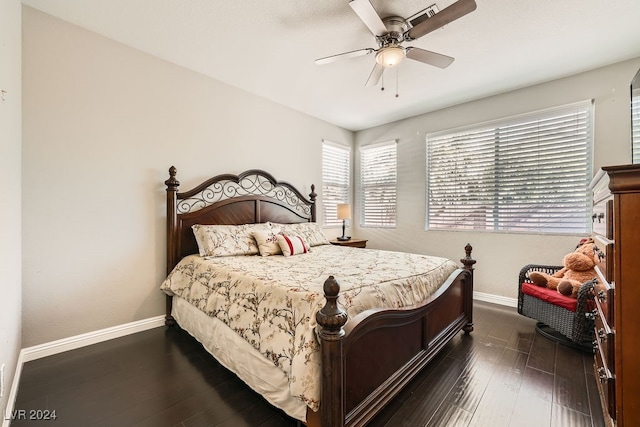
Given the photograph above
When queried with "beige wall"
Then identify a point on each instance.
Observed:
(102, 124)
(500, 256)
(10, 244)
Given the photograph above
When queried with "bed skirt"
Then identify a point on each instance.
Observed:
(219, 340)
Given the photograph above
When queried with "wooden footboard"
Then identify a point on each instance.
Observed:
(367, 361)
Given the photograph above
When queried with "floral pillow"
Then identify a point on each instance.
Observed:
(309, 231)
(267, 241)
(227, 240)
(292, 245)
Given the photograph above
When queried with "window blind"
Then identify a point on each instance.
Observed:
(528, 173)
(335, 181)
(635, 128)
(378, 178)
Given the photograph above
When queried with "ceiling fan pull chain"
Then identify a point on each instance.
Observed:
(397, 81)
(382, 84)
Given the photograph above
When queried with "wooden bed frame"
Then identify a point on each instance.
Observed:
(365, 362)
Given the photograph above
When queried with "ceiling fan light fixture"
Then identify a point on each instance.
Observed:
(390, 56)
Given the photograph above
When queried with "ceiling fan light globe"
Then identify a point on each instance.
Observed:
(390, 56)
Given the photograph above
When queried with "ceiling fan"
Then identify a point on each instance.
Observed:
(392, 31)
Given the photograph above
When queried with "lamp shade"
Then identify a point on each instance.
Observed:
(344, 211)
(390, 56)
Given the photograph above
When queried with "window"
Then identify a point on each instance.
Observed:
(378, 185)
(335, 181)
(635, 128)
(528, 173)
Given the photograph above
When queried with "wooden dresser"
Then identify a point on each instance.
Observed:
(616, 229)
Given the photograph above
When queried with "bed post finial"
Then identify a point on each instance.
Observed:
(467, 260)
(172, 181)
(331, 320)
(313, 195)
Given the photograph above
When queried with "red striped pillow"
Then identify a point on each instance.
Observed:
(292, 245)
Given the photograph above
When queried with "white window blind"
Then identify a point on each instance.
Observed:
(335, 181)
(378, 177)
(528, 173)
(635, 128)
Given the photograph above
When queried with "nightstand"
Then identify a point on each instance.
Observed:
(354, 243)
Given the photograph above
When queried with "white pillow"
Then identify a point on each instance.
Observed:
(292, 244)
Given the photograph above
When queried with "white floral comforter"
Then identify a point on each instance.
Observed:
(271, 301)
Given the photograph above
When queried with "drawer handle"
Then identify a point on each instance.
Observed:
(602, 374)
(600, 216)
(602, 296)
(593, 217)
(602, 334)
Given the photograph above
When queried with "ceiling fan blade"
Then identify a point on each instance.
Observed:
(364, 9)
(375, 75)
(426, 56)
(445, 16)
(352, 54)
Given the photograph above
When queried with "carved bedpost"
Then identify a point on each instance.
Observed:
(468, 263)
(331, 320)
(312, 197)
(172, 223)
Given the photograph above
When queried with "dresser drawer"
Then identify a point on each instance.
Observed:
(605, 257)
(604, 337)
(606, 382)
(604, 299)
(602, 219)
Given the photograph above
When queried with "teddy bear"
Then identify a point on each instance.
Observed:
(579, 267)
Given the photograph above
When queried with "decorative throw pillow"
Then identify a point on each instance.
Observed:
(267, 242)
(226, 240)
(292, 244)
(309, 231)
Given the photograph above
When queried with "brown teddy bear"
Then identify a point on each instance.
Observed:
(579, 267)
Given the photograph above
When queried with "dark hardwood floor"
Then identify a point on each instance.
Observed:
(503, 374)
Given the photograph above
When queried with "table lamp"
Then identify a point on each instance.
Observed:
(344, 213)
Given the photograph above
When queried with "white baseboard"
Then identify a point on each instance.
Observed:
(71, 343)
(495, 299)
(54, 347)
(11, 398)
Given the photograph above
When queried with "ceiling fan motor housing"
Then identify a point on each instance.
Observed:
(396, 28)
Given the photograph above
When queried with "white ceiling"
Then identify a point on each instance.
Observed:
(268, 47)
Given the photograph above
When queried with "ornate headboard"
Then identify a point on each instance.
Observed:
(253, 196)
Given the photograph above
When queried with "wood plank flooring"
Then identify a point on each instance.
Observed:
(503, 374)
